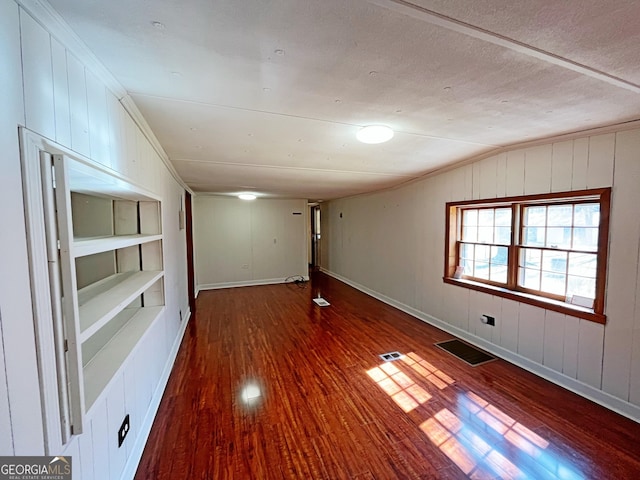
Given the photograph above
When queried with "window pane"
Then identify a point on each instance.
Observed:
(554, 261)
(553, 283)
(560, 216)
(530, 278)
(498, 273)
(499, 255)
(583, 264)
(467, 265)
(586, 215)
(535, 216)
(530, 258)
(470, 217)
(585, 287)
(485, 217)
(485, 234)
(502, 235)
(481, 270)
(483, 253)
(585, 238)
(503, 217)
(470, 234)
(533, 236)
(559, 237)
(466, 251)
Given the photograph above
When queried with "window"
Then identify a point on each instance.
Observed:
(547, 250)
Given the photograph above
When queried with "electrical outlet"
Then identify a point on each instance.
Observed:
(245, 266)
(488, 320)
(124, 429)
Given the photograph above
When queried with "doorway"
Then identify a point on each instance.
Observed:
(314, 263)
(190, 266)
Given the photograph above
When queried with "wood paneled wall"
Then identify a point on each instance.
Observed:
(45, 86)
(392, 243)
(239, 242)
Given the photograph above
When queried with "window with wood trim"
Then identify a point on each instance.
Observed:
(547, 250)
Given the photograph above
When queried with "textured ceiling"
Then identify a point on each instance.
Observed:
(268, 95)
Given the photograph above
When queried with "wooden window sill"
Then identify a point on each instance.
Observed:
(546, 303)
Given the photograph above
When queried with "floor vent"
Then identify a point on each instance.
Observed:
(465, 352)
(391, 356)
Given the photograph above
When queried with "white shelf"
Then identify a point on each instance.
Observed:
(104, 365)
(96, 180)
(100, 302)
(91, 245)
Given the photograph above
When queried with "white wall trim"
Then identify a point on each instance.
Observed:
(247, 283)
(587, 391)
(133, 461)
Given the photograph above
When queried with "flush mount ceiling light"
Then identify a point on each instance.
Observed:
(374, 134)
(246, 196)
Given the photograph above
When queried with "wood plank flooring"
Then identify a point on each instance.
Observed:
(267, 385)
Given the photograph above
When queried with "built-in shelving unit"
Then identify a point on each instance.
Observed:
(97, 271)
(101, 366)
(101, 301)
(110, 237)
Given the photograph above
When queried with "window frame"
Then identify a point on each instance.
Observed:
(511, 290)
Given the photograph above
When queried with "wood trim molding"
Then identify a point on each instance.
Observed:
(521, 297)
(603, 251)
(540, 197)
(511, 290)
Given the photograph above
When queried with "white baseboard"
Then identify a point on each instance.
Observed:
(133, 461)
(246, 283)
(587, 391)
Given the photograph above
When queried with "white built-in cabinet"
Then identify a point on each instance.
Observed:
(96, 243)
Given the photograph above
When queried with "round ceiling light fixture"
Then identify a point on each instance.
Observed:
(374, 134)
(246, 196)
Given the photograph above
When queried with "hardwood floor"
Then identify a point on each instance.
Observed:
(267, 385)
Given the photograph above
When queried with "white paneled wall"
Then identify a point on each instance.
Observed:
(246, 243)
(15, 305)
(392, 243)
(622, 281)
(38, 77)
(78, 106)
(60, 93)
(45, 86)
(6, 439)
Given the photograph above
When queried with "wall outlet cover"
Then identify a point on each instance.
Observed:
(124, 429)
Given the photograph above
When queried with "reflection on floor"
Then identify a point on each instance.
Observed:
(267, 385)
(481, 438)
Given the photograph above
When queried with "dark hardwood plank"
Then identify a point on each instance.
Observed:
(329, 408)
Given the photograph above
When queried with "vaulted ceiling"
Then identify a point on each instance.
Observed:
(267, 95)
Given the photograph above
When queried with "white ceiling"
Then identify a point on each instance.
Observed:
(267, 95)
